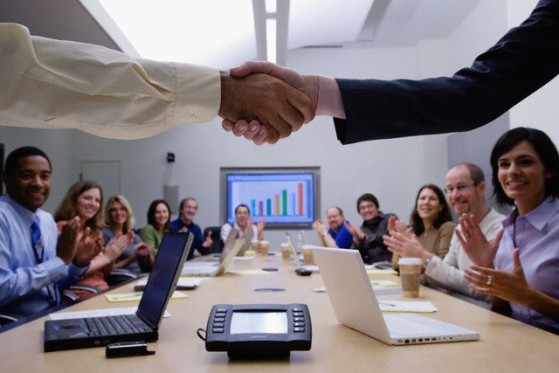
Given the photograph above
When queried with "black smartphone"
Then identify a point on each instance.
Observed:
(122, 349)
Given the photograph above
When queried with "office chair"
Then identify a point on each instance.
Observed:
(75, 293)
(119, 276)
(5, 319)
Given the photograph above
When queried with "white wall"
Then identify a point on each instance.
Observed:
(391, 169)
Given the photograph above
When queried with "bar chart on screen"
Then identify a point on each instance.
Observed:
(278, 197)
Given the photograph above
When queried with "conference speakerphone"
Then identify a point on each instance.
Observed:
(259, 331)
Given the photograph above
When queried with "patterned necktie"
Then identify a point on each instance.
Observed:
(36, 242)
(37, 245)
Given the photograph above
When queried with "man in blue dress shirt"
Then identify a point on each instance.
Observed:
(34, 261)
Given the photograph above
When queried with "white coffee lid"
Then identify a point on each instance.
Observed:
(410, 261)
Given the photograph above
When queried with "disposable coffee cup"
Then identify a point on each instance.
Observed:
(264, 247)
(410, 276)
(255, 245)
(308, 258)
(285, 251)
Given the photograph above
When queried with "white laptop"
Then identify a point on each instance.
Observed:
(212, 269)
(355, 305)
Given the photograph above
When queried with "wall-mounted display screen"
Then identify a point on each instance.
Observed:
(285, 197)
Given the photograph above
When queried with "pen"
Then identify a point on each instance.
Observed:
(126, 296)
(387, 304)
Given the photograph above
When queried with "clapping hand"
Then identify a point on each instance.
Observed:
(117, 245)
(480, 251)
(67, 244)
(509, 286)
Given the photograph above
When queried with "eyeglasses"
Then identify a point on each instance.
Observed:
(458, 188)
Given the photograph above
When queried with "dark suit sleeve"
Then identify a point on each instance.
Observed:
(521, 62)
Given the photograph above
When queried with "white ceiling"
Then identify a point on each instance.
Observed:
(221, 33)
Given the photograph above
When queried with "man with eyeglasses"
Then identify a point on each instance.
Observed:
(465, 192)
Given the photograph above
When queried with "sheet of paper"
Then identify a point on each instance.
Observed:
(386, 287)
(97, 313)
(389, 305)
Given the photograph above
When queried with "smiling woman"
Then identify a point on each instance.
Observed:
(137, 257)
(525, 175)
(431, 227)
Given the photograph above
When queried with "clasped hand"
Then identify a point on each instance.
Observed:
(264, 102)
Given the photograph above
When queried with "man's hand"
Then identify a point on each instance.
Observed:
(275, 104)
(208, 241)
(320, 228)
(356, 232)
(67, 243)
(260, 226)
(256, 129)
(480, 251)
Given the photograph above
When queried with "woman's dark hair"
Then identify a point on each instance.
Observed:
(547, 152)
(445, 215)
(151, 213)
(367, 197)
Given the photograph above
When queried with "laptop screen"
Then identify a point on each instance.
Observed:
(165, 271)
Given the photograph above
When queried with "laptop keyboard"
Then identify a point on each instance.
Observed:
(113, 325)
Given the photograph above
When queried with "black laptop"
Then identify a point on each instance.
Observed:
(69, 334)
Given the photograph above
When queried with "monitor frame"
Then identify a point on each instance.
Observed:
(309, 176)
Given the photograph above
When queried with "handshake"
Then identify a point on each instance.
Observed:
(265, 102)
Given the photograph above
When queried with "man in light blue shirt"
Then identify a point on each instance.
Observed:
(31, 273)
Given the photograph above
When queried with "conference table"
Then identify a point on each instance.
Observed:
(505, 344)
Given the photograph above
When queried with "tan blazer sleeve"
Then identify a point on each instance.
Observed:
(49, 83)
